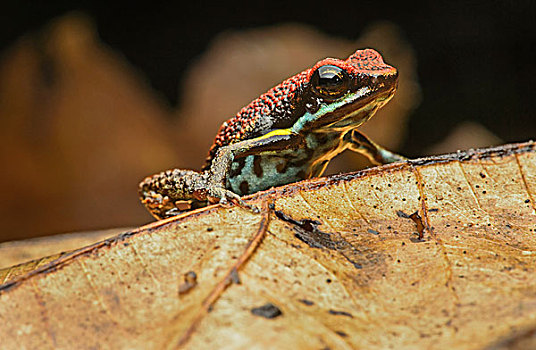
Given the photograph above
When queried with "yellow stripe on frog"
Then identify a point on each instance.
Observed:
(277, 132)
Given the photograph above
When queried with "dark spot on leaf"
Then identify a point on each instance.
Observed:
(402, 215)
(418, 221)
(234, 277)
(189, 282)
(340, 313)
(267, 310)
(308, 232)
(373, 231)
(416, 218)
(306, 302)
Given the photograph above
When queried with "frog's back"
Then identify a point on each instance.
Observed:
(272, 110)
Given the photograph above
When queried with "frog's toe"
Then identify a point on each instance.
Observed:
(217, 194)
(231, 197)
(228, 198)
(390, 157)
(247, 206)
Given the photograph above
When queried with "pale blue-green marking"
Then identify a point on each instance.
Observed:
(328, 108)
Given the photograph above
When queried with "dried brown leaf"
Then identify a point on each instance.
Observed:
(341, 266)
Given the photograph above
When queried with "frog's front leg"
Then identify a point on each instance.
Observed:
(220, 167)
(378, 155)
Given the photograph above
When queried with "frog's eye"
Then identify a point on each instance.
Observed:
(330, 81)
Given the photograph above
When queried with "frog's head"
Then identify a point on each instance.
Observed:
(343, 94)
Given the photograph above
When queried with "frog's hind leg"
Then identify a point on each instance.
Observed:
(172, 192)
(378, 155)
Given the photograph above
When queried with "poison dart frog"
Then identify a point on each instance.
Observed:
(289, 133)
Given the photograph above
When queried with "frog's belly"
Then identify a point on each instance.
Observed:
(259, 172)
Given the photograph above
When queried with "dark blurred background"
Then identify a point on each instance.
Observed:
(95, 96)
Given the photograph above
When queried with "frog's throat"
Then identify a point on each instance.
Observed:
(362, 96)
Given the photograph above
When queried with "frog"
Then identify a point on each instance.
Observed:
(288, 134)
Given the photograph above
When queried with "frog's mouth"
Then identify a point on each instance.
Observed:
(355, 113)
(350, 111)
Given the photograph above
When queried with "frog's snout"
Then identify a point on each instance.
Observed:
(385, 81)
(391, 78)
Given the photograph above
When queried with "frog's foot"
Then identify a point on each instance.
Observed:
(162, 206)
(218, 194)
(175, 191)
(158, 205)
(377, 155)
(390, 157)
(168, 193)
